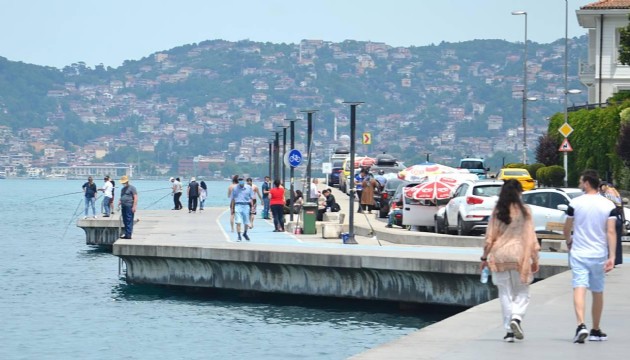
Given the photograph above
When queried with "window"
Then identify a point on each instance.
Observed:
(557, 199)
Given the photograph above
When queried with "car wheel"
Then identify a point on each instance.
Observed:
(461, 231)
(446, 229)
(436, 226)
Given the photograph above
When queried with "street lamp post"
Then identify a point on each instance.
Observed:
(284, 152)
(524, 115)
(353, 126)
(291, 170)
(309, 151)
(270, 157)
(566, 86)
(276, 165)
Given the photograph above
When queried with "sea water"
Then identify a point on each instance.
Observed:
(62, 299)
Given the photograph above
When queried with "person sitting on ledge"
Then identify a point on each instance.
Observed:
(330, 204)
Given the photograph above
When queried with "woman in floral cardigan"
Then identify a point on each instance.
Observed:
(511, 252)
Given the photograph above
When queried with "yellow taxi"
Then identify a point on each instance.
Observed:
(522, 175)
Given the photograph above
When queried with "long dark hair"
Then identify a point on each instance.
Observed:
(510, 194)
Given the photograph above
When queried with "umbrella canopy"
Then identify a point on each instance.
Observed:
(364, 161)
(421, 171)
(438, 187)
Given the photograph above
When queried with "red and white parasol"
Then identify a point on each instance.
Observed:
(421, 171)
(438, 187)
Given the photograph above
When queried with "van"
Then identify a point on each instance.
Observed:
(337, 160)
(476, 166)
(420, 213)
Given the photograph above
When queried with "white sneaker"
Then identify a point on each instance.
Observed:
(85, 217)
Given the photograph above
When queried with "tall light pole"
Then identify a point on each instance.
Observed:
(309, 150)
(524, 87)
(566, 87)
(292, 170)
(284, 152)
(353, 126)
(276, 163)
(270, 157)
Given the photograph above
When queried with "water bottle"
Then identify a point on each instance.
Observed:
(485, 274)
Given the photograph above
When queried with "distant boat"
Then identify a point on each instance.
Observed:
(56, 177)
(3, 175)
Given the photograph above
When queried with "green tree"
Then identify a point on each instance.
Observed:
(624, 45)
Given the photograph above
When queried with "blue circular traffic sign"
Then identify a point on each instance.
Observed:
(293, 158)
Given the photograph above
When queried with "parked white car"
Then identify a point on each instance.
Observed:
(471, 206)
(549, 204)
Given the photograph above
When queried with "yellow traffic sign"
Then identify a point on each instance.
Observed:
(565, 129)
(367, 138)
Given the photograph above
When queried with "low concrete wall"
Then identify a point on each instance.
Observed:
(360, 274)
(101, 231)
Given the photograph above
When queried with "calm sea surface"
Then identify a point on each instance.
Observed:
(62, 299)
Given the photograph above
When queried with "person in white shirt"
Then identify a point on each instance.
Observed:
(591, 239)
(108, 192)
(313, 193)
(177, 193)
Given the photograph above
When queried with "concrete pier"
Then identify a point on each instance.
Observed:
(102, 231)
(178, 248)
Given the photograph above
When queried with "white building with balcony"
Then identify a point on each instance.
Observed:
(602, 73)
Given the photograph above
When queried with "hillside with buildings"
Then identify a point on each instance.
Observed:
(210, 108)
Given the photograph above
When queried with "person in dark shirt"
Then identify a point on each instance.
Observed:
(193, 195)
(203, 194)
(89, 190)
(331, 204)
(128, 204)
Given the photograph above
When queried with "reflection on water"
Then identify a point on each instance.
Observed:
(294, 309)
(62, 299)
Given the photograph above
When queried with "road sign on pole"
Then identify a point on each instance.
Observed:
(565, 146)
(565, 130)
(367, 138)
(293, 158)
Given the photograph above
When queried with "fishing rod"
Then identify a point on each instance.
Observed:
(55, 196)
(145, 191)
(74, 215)
(158, 200)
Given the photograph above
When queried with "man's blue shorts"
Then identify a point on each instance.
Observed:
(241, 214)
(588, 272)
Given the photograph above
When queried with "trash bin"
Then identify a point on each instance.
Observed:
(309, 216)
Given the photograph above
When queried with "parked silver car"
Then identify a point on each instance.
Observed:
(549, 204)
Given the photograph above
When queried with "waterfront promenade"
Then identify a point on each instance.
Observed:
(475, 333)
(549, 327)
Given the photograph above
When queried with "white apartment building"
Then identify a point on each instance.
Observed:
(602, 73)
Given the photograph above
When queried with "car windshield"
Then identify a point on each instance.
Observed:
(337, 163)
(471, 164)
(515, 173)
(392, 184)
(487, 190)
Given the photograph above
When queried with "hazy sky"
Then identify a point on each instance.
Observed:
(60, 32)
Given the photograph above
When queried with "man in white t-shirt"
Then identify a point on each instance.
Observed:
(592, 244)
(108, 191)
(314, 193)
